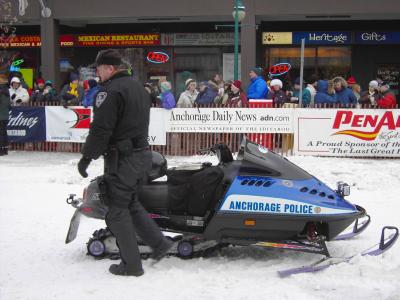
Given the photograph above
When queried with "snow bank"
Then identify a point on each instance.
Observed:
(36, 264)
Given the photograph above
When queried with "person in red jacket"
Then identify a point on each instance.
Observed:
(388, 99)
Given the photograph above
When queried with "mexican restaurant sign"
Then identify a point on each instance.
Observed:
(341, 132)
(89, 40)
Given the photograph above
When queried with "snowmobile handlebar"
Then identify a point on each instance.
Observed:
(222, 150)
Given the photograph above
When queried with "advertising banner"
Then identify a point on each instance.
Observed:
(67, 124)
(198, 39)
(323, 38)
(230, 120)
(377, 37)
(96, 40)
(26, 124)
(157, 133)
(341, 132)
(72, 125)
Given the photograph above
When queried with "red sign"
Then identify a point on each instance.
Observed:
(88, 40)
(363, 121)
(157, 57)
(279, 69)
(96, 40)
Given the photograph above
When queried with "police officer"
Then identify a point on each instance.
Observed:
(119, 132)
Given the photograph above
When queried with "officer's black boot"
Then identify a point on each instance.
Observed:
(124, 270)
(162, 250)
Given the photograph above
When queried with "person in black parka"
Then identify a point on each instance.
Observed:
(119, 132)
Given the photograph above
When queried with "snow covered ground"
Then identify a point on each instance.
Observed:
(36, 264)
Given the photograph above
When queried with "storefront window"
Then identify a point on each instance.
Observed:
(327, 62)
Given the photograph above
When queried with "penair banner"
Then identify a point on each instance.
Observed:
(230, 120)
(67, 124)
(344, 132)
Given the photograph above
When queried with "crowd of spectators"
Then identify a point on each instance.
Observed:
(315, 91)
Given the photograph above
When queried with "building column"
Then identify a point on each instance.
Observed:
(248, 42)
(50, 51)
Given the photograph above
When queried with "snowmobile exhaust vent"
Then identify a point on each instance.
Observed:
(257, 183)
(314, 192)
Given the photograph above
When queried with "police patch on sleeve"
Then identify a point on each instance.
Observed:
(101, 96)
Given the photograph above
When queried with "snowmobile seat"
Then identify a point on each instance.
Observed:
(154, 197)
(193, 191)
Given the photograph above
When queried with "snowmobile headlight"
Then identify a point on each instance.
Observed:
(343, 189)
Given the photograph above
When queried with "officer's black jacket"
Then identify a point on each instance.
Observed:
(121, 111)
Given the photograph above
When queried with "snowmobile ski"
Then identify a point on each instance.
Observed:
(358, 228)
(377, 249)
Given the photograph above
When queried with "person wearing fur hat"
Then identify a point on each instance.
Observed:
(72, 93)
(18, 95)
(167, 98)
(4, 110)
(277, 95)
(371, 96)
(208, 91)
(343, 94)
(237, 98)
(258, 88)
(187, 98)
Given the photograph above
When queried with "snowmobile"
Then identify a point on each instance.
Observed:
(258, 199)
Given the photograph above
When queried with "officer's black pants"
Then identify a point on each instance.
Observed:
(126, 216)
(3, 137)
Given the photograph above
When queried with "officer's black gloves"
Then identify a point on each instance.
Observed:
(83, 164)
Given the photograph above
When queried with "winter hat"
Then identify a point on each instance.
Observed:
(92, 83)
(257, 70)
(108, 57)
(297, 81)
(15, 79)
(165, 86)
(49, 83)
(237, 84)
(40, 81)
(351, 80)
(189, 81)
(373, 84)
(73, 77)
(276, 82)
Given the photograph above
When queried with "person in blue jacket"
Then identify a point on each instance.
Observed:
(207, 93)
(258, 88)
(167, 98)
(91, 93)
(323, 96)
(343, 94)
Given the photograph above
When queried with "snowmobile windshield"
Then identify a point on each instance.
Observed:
(259, 160)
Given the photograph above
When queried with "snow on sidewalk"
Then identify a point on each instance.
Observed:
(36, 264)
